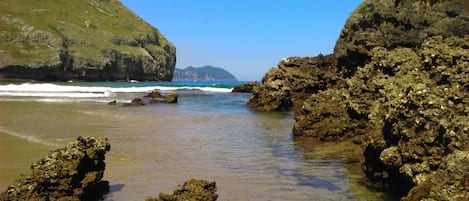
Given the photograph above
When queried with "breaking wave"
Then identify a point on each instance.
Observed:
(80, 91)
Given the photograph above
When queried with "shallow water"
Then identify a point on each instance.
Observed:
(213, 136)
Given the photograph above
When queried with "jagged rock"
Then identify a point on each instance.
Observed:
(405, 106)
(246, 87)
(98, 41)
(287, 85)
(396, 23)
(154, 97)
(70, 173)
(449, 182)
(400, 89)
(326, 116)
(192, 190)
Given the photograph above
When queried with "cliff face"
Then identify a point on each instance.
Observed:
(91, 40)
(397, 85)
(205, 73)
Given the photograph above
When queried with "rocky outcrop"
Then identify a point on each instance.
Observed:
(396, 23)
(194, 190)
(293, 78)
(70, 173)
(205, 73)
(245, 87)
(152, 97)
(400, 90)
(97, 41)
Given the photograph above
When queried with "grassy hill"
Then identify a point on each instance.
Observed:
(80, 39)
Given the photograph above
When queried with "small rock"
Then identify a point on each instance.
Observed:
(154, 94)
(194, 190)
(171, 98)
(135, 102)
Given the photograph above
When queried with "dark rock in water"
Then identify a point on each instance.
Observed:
(97, 41)
(407, 107)
(135, 102)
(397, 84)
(171, 98)
(154, 97)
(193, 190)
(246, 87)
(154, 94)
(70, 173)
(114, 102)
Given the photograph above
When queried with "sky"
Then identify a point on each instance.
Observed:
(245, 37)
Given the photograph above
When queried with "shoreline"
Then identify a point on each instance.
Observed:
(29, 152)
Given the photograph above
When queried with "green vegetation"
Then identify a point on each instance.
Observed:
(85, 27)
(366, 9)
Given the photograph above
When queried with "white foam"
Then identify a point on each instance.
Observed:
(55, 94)
(54, 90)
(29, 138)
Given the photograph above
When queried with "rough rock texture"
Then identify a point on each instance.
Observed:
(192, 190)
(294, 77)
(70, 173)
(400, 89)
(88, 40)
(246, 87)
(396, 23)
(152, 97)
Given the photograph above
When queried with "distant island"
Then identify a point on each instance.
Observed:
(205, 73)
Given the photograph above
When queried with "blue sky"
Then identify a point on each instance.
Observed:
(245, 37)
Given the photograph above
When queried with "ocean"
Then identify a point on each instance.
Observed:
(209, 134)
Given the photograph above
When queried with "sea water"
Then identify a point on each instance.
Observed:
(209, 134)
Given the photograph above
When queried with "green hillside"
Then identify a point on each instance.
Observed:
(80, 39)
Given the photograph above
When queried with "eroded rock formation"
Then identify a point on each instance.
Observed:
(193, 189)
(397, 85)
(74, 172)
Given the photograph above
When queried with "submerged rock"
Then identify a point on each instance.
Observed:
(74, 172)
(152, 97)
(135, 102)
(193, 190)
(114, 102)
